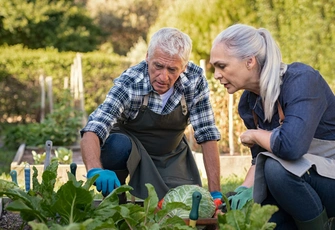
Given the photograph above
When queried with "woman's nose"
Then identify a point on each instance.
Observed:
(217, 74)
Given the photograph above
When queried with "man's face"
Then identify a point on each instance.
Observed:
(164, 70)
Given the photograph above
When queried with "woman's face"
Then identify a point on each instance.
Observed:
(164, 70)
(233, 73)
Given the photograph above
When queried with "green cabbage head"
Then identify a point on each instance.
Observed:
(184, 194)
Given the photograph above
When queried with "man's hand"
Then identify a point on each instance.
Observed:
(217, 197)
(242, 196)
(106, 182)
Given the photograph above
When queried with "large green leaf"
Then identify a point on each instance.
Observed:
(72, 202)
(251, 217)
(5, 185)
(27, 212)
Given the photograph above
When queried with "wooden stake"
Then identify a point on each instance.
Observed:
(48, 80)
(42, 84)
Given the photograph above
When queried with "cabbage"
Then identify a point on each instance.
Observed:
(184, 194)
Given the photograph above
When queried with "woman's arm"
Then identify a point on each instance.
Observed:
(257, 136)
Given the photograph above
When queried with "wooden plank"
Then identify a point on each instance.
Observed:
(210, 223)
(18, 155)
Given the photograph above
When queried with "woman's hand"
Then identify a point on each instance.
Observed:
(256, 136)
(247, 138)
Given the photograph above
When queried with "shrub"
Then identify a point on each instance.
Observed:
(61, 127)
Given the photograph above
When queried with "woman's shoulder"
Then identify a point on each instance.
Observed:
(301, 80)
(296, 68)
(300, 72)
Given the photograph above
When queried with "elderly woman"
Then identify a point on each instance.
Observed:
(289, 113)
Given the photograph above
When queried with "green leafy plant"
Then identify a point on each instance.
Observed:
(73, 207)
(61, 127)
(252, 216)
(38, 158)
(64, 155)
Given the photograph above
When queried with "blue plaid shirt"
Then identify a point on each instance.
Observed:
(126, 97)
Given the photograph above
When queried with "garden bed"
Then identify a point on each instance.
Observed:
(24, 155)
(12, 221)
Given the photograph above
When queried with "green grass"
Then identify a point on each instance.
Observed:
(228, 184)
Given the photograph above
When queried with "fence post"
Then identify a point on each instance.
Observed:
(81, 89)
(231, 124)
(42, 84)
(48, 80)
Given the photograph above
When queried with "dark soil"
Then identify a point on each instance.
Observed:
(13, 221)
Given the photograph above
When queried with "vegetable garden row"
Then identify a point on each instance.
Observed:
(74, 205)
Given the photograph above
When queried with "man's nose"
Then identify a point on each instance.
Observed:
(164, 74)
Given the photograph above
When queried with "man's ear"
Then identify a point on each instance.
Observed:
(146, 57)
(183, 70)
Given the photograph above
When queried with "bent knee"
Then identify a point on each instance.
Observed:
(273, 170)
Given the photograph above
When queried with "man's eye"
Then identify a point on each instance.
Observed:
(172, 70)
(221, 66)
(158, 66)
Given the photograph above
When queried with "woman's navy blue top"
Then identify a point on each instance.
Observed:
(308, 104)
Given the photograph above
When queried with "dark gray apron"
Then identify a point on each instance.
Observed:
(320, 155)
(160, 154)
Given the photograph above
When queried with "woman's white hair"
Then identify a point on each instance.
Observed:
(245, 41)
(171, 41)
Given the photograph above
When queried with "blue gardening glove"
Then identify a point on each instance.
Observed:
(217, 198)
(106, 182)
(242, 196)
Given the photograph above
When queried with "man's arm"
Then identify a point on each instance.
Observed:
(90, 150)
(211, 158)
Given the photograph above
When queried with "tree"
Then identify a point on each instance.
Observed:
(203, 20)
(47, 23)
(123, 22)
(304, 30)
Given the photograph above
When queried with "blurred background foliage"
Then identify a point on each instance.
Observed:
(43, 36)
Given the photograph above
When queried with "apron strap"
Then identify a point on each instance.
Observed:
(183, 105)
(280, 111)
(182, 102)
(145, 100)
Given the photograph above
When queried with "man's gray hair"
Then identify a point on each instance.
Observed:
(171, 41)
